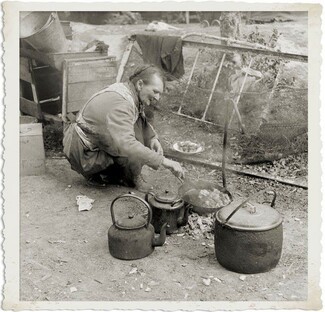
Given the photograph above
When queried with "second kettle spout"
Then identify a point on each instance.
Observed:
(161, 238)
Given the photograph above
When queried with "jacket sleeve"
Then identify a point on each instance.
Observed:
(119, 136)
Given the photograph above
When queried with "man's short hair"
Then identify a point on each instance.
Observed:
(145, 72)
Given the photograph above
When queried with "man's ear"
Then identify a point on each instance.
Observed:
(139, 84)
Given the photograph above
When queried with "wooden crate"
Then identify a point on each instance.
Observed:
(82, 78)
(32, 154)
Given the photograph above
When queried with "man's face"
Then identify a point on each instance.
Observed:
(150, 92)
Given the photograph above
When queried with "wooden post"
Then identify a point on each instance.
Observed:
(214, 86)
(187, 17)
(235, 110)
(189, 79)
(64, 91)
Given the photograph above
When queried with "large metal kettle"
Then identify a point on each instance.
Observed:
(167, 208)
(133, 237)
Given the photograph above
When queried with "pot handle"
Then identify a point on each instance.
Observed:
(273, 199)
(245, 201)
(234, 211)
(135, 197)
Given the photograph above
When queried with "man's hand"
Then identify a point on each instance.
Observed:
(174, 167)
(156, 146)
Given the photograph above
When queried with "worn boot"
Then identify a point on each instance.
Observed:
(96, 181)
(141, 185)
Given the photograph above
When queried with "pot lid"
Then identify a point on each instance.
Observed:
(132, 222)
(251, 217)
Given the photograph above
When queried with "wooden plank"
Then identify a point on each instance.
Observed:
(124, 61)
(223, 48)
(24, 72)
(55, 60)
(92, 70)
(231, 168)
(58, 58)
(30, 108)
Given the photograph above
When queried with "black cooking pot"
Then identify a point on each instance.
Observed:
(248, 239)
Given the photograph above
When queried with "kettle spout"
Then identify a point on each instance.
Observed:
(160, 239)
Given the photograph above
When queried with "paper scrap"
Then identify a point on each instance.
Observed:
(84, 202)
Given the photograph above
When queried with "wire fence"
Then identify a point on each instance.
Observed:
(273, 109)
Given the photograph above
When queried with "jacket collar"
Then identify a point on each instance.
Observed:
(135, 96)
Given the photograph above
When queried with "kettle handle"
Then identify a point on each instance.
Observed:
(146, 197)
(135, 197)
(245, 201)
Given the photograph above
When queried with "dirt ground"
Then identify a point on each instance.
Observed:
(64, 253)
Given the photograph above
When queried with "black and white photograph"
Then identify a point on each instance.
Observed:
(162, 154)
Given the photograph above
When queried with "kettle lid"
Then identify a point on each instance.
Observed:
(251, 217)
(132, 222)
(165, 198)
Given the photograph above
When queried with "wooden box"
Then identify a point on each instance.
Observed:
(32, 154)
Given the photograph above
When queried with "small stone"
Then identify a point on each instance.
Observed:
(206, 281)
(242, 277)
(133, 271)
(217, 280)
(147, 289)
(73, 289)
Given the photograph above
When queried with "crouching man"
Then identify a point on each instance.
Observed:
(111, 139)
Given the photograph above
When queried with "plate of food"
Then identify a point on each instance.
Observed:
(188, 147)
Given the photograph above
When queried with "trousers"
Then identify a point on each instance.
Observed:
(89, 162)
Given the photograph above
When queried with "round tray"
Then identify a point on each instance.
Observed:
(177, 147)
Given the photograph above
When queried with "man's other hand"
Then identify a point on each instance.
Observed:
(156, 146)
